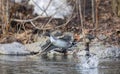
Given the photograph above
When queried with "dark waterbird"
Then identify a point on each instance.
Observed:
(89, 37)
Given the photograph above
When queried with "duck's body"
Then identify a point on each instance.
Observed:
(61, 43)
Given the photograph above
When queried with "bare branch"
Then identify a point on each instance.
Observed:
(29, 20)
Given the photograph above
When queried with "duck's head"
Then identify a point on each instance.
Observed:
(47, 34)
(53, 33)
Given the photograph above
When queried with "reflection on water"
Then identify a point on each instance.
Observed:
(53, 65)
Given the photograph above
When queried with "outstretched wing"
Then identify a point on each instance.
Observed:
(47, 48)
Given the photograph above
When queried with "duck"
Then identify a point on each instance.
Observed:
(90, 37)
(87, 49)
(64, 43)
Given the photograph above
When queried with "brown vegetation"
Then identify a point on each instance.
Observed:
(95, 17)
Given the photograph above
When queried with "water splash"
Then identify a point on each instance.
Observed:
(88, 62)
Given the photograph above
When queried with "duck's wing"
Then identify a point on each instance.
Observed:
(48, 46)
(69, 39)
(51, 47)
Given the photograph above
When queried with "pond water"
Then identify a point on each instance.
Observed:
(53, 65)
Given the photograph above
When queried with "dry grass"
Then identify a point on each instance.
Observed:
(93, 17)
